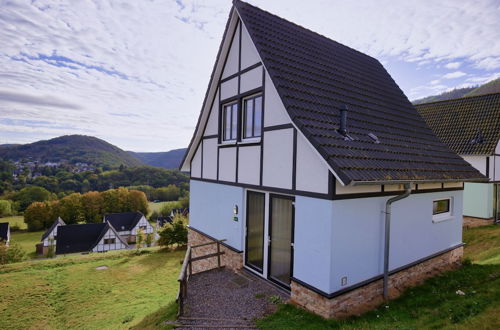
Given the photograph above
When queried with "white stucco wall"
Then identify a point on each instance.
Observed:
(274, 110)
(227, 164)
(196, 164)
(251, 79)
(118, 245)
(211, 211)
(210, 158)
(46, 241)
(344, 238)
(479, 162)
(143, 222)
(249, 165)
(313, 241)
(478, 200)
(249, 54)
(278, 158)
(213, 118)
(229, 88)
(231, 66)
(312, 173)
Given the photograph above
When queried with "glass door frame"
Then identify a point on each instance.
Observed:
(269, 238)
(247, 208)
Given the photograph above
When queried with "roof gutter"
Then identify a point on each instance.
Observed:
(366, 183)
(388, 234)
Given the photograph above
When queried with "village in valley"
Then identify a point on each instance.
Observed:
(312, 193)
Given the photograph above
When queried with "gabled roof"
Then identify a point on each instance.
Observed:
(123, 221)
(468, 125)
(4, 230)
(316, 76)
(58, 221)
(81, 238)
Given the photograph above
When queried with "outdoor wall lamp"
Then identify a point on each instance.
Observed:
(235, 209)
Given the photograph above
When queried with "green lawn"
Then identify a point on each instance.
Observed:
(27, 240)
(69, 293)
(157, 206)
(16, 220)
(432, 305)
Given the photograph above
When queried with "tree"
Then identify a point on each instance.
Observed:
(70, 209)
(38, 216)
(92, 206)
(169, 193)
(137, 201)
(174, 233)
(5, 208)
(139, 239)
(31, 194)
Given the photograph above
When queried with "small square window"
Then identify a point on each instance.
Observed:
(441, 209)
(109, 241)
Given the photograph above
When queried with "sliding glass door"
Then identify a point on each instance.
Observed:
(281, 239)
(254, 257)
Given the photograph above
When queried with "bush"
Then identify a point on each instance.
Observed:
(167, 208)
(174, 233)
(5, 208)
(11, 253)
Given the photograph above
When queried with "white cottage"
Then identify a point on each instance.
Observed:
(49, 237)
(470, 126)
(128, 223)
(301, 148)
(90, 237)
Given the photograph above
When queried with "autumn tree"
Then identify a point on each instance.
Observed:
(38, 216)
(92, 206)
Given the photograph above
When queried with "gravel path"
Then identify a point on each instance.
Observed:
(229, 297)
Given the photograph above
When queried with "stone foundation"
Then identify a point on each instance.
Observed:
(230, 259)
(368, 297)
(471, 222)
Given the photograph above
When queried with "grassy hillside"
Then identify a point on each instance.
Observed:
(490, 87)
(434, 305)
(169, 159)
(70, 293)
(72, 149)
(454, 94)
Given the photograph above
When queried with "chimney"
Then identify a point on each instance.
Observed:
(343, 120)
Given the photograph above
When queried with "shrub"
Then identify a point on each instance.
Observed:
(5, 208)
(174, 233)
(11, 253)
(149, 239)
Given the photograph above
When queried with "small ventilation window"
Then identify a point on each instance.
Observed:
(374, 138)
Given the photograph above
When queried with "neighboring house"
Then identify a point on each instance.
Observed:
(128, 223)
(5, 232)
(470, 126)
(162, 221)
(90, 237)
(299, 186)
(49, 237)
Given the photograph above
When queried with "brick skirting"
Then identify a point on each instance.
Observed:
(368, 297)
(471, 222)
(230, 259)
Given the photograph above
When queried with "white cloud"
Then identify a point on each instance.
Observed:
(139, 70)
(453, 65)
(453, 75)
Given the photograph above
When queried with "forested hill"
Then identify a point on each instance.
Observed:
(71, 149)
(169, 159)
(490, 87)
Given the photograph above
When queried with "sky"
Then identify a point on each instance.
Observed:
(135, 73)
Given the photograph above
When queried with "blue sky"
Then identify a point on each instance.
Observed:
(135, 73)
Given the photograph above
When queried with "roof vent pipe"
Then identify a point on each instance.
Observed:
(388, 235)
(343, 120)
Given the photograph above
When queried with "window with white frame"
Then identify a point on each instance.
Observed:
(441, 209)
(230, 122)
(252, 117)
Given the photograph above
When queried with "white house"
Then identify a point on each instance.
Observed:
(470, 126)
(127, 224)
(49, 237)
(5, 232)
(90, 237)
(301, 147)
